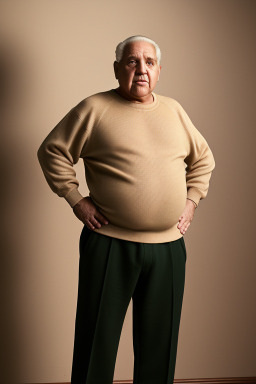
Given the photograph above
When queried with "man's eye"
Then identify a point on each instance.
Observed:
(134, 61)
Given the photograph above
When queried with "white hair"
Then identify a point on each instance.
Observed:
(121, 46)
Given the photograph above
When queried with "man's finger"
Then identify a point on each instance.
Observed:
(100, 217)
(95, 222)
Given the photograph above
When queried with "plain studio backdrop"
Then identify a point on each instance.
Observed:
(55, 53)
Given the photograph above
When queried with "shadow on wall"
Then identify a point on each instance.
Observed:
(16, 90)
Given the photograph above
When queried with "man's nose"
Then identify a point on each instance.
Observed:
(141, 67)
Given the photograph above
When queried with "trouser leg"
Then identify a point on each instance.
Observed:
(157, 303)
(108, 272)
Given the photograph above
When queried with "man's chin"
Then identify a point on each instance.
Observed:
(141, 90)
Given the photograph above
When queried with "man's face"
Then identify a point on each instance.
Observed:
(139, 62)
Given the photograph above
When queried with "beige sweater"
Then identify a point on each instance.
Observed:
(135, 157)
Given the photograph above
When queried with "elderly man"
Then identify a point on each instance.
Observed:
(147, 167)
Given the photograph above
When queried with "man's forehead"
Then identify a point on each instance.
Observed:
(136, 51)
(148, 55)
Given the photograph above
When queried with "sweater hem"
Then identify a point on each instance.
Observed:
(168, 235)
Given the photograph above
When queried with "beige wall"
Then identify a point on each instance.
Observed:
(55, 53)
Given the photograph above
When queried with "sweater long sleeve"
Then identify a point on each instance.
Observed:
(141, 161)
(61, 149)
(200, 161)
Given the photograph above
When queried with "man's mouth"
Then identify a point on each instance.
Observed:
(141, 82)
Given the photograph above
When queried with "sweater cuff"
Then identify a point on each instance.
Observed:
(194, 194)
(73, 197)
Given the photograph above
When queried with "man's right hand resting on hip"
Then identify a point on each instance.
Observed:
(86, 211)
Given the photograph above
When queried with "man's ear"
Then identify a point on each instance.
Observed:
(116, 69)
(159, 72)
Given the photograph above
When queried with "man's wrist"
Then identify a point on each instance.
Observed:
(192, 202)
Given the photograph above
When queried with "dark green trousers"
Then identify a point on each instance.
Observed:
(112, 272)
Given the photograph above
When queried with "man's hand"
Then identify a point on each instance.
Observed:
(186, 217)
(86, 211)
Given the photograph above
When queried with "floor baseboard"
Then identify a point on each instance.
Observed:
(219, 380)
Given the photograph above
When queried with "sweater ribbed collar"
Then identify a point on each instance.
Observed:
(135, 105)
